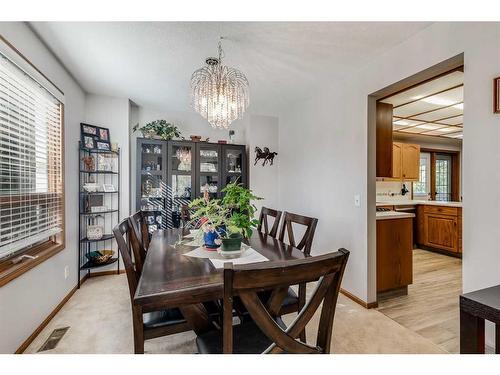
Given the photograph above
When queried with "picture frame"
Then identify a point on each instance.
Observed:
(88, 142)
(108, 188)
(101, 145)
(496, 95)
(88, 129)
(103, 134)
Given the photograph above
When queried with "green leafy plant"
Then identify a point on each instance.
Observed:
(232, 214)
(160, 128)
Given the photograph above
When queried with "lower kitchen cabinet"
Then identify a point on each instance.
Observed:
(394, 254)
(440, 228)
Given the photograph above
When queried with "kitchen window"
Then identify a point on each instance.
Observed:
(439, 176)
(31, 171)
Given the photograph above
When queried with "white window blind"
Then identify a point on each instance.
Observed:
(31, 186)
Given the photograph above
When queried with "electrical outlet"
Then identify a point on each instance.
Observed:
(357, 200)
(66, 272)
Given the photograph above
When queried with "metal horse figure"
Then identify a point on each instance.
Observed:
(266, 155)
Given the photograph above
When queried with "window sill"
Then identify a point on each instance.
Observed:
(10, 271)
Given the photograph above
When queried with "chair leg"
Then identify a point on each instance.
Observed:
(302, 303)
(138, 330)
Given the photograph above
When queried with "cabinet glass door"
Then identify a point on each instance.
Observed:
(152, 185)
(208, 170)
(234, 160)
(181, 170)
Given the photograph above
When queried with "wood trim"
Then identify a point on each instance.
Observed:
(46, 321)
(10, 271)
(496, 108)
(359, 301)
(2, 38)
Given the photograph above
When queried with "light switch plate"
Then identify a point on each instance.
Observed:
(357, 200)
(66, 272)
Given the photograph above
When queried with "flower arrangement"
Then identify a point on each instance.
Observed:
(158, 128)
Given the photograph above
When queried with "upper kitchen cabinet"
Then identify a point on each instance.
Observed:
(405, 162)
(410, 162)
(384, 151)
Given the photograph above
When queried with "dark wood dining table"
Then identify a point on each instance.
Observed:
(171, 279)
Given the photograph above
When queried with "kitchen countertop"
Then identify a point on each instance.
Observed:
(386, 215)
(417, 202)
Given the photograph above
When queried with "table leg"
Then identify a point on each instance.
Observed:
(471, 334)
(497, 338)
(197, 318)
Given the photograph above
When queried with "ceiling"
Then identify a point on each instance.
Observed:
(151, 62)
(433, 108)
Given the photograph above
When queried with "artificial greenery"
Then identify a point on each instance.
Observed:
(161, 128)
(232, 214)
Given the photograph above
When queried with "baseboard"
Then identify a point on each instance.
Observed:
(46, 321)
(359, 301)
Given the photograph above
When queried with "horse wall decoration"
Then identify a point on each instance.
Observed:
(265, 155)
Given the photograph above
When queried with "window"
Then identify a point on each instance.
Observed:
(421, 189)
(439, 176)
(31, 164)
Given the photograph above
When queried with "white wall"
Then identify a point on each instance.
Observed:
(26, 301)
(323, 141)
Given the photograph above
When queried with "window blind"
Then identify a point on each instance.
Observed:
(31, 179)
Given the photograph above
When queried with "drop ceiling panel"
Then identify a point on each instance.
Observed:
(445, 131)
(458, 120)
(439, 114)
(425, 89)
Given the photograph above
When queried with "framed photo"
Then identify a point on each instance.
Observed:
(496, 95)
(103, 134)
(108, 188)
(88, 129)
(88, 142)
(105, 146)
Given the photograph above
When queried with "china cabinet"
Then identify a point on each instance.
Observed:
(172, 173)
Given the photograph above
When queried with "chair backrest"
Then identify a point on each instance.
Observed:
(185, 216)
(125, 237)
(263, 221)
(138, 221)
(247, 280)
(305, 243)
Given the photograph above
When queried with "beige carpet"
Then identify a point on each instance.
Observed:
(99, 317)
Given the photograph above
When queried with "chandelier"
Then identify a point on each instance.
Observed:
(219, 93)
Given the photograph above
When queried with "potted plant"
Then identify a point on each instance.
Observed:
(228, 220)
(158, 128)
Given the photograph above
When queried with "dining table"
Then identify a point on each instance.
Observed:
(172, 279)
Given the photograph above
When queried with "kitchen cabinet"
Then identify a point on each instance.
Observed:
(440, 228)
(405, 162)
(384, 140)
(394, 254)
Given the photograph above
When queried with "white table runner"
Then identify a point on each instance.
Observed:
(249, 256)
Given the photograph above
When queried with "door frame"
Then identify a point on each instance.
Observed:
(452, 64)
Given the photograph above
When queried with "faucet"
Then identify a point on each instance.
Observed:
(404, 190)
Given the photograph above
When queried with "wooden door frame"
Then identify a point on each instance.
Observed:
(452, 64)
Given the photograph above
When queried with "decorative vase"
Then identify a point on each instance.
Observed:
(232, 243)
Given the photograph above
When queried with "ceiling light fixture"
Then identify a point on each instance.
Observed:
(219, 93)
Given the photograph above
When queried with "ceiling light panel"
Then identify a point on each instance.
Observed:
(445, 131)
(439, 114)
(453, 120)
(428, 88)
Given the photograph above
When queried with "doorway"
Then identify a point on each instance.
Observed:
(426, 121)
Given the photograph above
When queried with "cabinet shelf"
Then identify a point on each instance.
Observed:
(97, 213)
(105, 237)
(98, 172)
(90, 265)
(98, 192)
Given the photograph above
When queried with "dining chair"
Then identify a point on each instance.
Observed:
(140, 239)
(292, 302)
(263, 221)
(266, 332)
(146, 325)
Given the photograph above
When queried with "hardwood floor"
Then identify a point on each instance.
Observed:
(431, 306)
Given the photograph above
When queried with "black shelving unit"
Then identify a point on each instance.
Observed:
(107, 218)
(172, 173)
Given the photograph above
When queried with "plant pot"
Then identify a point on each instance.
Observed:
(232, 243)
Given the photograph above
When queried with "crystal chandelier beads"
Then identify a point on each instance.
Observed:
(219, 93)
